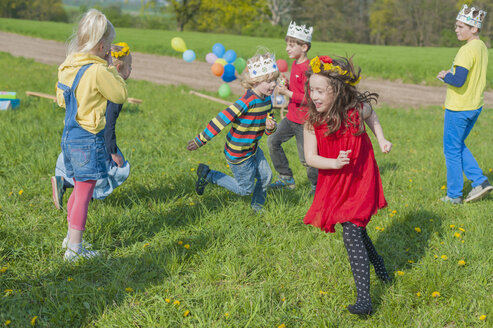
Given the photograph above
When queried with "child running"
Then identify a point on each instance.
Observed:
(118, 168)
(298, 43)
(251, 116)
(349, 190)
(466, 82)
(85, 84)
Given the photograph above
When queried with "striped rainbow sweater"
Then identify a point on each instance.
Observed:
(248, 115)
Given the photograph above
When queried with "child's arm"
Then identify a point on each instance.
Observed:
(372, 121)
(312, 157)
(112, 113)
(110, 84)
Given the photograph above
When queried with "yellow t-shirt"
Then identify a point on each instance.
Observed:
(473, 56)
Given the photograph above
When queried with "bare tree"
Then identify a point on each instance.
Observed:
(279, 9)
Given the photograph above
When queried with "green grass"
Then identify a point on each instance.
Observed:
(408, 64)
(241, 270)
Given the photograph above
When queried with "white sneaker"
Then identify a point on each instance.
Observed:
(82, 253)
(84, 243)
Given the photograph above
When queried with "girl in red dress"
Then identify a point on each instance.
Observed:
(349, 189)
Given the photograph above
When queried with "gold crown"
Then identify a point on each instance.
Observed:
(466, 15)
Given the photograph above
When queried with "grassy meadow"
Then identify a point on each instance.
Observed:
(407, 64)
(172, 258)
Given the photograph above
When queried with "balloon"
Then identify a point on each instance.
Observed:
(189, 56)
(218, 50)
(239, 64)
(228, 78)
(280, 99)
(178, 44)
(217, 69)
(210, 58)
(230, 56)
(224, 90)
(282, 65)
(221, 61)
(229, 69)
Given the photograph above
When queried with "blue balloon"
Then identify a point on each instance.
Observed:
(229, 70)
(189, 56)
(230, 56)
(228, 78)
(218, 50)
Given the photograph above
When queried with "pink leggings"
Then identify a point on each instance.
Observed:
(78, 203)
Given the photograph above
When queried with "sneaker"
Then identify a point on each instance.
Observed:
(84, 243)
(82, 253)
(58, 191)
(453, 201)
(202, 172)
(479, 192)
(283, 183)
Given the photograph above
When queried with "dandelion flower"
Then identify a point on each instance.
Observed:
(180, 242)
(3, 269)
(394, 212)
(452, 226)
(70, 279)
(21, 192)
(377, 228)
(187, 246)
(443, 187)
(410, 180)
(7, 322)
(281, 326)
(462, 241)
(33, 320)
(322, 292)
(176, 302)
(435, 294)
(462, 229)
(407, 249)
(186, 313)
(435, 256)
(483, 317)
(491, 170)
(457, 235)
(11, 193)
(192, 169)
(382, 229)
(418, 229)
(146, 244)
(431, 220)
(461, 263)
(8, 291)
(400, 273)
(129, 290)
(444, 257)
(283, 299)
(410, 261)
(418, 294)
(167, 300)
(226, 314)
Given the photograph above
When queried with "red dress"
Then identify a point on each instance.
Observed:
(353, 193)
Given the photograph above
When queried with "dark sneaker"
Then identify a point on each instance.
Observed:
(58, 191)
(479, 192)
(453, 201)
(283, 183)
(202, 171)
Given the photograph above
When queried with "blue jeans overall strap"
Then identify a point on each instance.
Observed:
(245, 173)
(84, 153)
(458, 158)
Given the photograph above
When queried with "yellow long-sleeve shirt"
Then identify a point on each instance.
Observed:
(98, 84)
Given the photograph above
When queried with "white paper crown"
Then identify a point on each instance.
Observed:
(466, 16)
(262, 66)
(300, 32)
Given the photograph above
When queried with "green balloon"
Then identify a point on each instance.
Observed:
(239, 64)
(224, 90)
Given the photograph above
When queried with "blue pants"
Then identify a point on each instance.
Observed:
(458, 158)
(245, 173)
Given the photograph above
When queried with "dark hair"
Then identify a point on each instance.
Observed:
(342, 81)
(298, 42)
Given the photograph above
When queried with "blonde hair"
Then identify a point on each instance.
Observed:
(93, 28)
(248, 82)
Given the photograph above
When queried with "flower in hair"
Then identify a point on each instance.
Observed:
(325, 63)
(123, 52)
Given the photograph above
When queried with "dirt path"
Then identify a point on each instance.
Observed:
(170, 70)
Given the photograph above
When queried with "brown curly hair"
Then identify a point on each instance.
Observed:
(346, 96)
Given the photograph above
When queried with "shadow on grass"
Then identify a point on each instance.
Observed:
(386, 166)
(400, 242)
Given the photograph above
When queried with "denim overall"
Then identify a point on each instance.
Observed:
(84, 153)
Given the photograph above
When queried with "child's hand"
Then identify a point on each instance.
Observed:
(270, 124)
(342, 159)
(385, 146)
(442, 74)
(283, 90)
(117, 159)
(192, 145)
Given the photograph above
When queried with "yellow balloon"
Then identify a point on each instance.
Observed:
(221, 61)
(178, 44)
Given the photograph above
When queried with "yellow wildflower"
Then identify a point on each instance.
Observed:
(418, 294)
(407, 249)
(8, 291)
(394, 212)
(176, 302)
(186, 313)
(418, 229)
(7, 322)
(167, 300)
(283, 299)
(400, 273)
(377, 228)
(457, 235)
(443, 187)
(192, 169)
(3, 269)
(146, 244)
(382, 229)
(180, 242)
(322, 292)
(444, 257)
(21, 192)
(226, 314)
(483, 317)
(187, 246)
(11, 193)
(410, 180)
(70, 279)
(435, 256)
(33, 320)
(431, 220)
(452, 226)
(410, 261)
(462, 241)
(461, 263)
(435, 294)
(283, 325)
(129, 290)
(462, 229)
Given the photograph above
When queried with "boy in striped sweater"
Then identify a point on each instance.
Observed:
(251, 116)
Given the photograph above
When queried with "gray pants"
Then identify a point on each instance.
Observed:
(285, 131)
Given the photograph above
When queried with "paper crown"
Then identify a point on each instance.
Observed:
(262, 66)
(300, 32)
(466, 16)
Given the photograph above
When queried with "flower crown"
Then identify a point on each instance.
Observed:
(123, 52)
(325, 63)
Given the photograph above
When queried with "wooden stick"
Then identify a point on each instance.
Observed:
(224, 102)
(48, 96)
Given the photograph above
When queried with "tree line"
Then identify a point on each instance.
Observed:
(382, 22)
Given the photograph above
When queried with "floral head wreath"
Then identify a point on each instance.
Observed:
(325, 63)
(123, 52)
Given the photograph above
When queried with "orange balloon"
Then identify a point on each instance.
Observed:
(217, 69)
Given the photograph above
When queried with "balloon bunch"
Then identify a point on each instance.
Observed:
(178, 44)
(224, 64)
